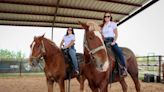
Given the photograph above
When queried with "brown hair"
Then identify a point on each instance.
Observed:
(71, 30)
(111, 18)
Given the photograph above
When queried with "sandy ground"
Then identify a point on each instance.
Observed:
(38, 84)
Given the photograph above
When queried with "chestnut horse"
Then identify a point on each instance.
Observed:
(99, 65)
(55, 65)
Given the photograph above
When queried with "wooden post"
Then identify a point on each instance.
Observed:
(147, 63)
(20, 69)
(163, 71)
(159, 74)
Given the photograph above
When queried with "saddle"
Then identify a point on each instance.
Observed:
(118, 67)
(68, 60)
(67, 57)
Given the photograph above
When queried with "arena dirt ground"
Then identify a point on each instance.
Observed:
(38, 84)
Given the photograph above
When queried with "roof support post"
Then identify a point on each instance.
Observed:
(54, 19)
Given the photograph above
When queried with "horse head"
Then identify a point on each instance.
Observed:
(94, 45)
(37, 50)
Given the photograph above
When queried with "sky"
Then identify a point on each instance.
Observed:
(143, 34)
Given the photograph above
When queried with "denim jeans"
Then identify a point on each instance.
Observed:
(116, 50)
(72, 53)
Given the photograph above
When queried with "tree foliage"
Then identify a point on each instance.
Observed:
(11, 54)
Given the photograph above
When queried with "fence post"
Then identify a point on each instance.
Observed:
(147, 63)
(160, 59)
(20, 68)
(163, 71)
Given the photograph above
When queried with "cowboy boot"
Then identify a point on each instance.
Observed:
(124, 72)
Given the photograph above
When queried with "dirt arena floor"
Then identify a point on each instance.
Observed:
(38, 84)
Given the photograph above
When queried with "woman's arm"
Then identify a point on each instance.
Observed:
(116, 36)
(70, 44)
(61, 43)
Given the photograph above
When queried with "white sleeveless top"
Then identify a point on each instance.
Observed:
(67, 39)
(108, 29)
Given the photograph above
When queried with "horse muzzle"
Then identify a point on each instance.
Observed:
(101, 64)
(34, 61)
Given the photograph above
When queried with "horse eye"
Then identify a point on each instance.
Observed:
(90, 38)
(37, 46)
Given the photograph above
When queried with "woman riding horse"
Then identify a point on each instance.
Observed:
(69, 42)
(99, 64)
(110, 33)
(55, 65)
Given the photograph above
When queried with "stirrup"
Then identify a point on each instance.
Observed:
(77, 72)
(124, 72)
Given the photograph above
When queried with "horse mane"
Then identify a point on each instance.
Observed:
(93, 26)
(51, 42)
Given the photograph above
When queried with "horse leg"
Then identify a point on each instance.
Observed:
(124, 85)
(61, 85)
(50, 85)
(137, 84)
(133, 71)
(93, 87)
(136, 81)
(81, 81)
(104, 86)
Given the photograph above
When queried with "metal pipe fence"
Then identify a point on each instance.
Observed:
(15, 67)
(151, 65)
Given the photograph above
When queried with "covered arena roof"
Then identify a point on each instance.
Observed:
(67, 13)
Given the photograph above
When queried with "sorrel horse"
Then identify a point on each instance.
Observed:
(99, 65)
(55, 66)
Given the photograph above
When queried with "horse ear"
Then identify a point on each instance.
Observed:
(83, 25)
(34, 37)
(43, 35)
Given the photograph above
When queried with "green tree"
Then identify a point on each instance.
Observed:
(4, 53)
(19, 55)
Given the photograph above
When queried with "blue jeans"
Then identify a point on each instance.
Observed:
(116, 50)
(72, 53)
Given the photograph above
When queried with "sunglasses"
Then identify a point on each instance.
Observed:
(107, 16)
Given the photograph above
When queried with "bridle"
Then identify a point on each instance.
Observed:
(92, 51)
(43, 51)
(40, 56)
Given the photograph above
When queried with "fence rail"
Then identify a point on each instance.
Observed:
(151, 65)
(147, 64)
(18, 67)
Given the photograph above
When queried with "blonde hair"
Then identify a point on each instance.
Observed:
(93, 26)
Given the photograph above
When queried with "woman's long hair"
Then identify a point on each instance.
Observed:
(71, 30)
(111, 18)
